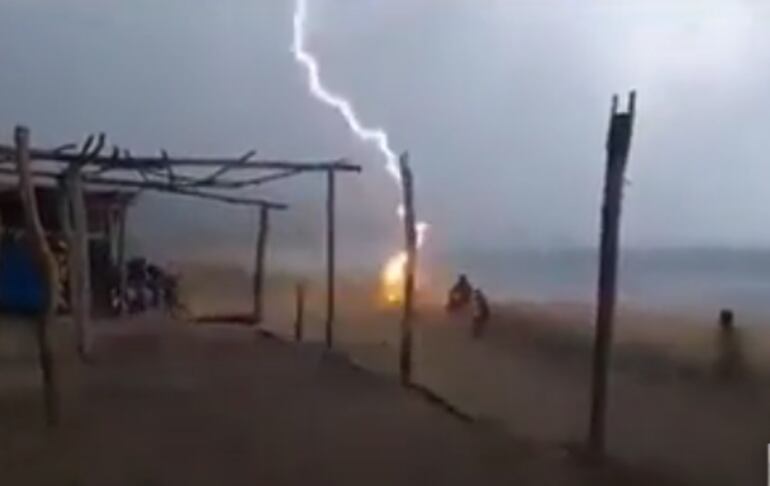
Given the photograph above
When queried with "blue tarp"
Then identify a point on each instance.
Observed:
(21, 286)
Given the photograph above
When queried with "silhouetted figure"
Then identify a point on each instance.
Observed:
(171, 293)
(730, 362)
(460, 294)
(136, 300)
(481, 313)
(154, 284)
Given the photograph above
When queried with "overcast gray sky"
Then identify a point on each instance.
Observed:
(503, 105)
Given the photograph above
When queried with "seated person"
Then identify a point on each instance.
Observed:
(460, 294)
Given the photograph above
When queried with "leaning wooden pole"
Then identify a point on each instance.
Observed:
(46, 263)
(330, 258)
(259, 263)
(410, 229)
(618, 145)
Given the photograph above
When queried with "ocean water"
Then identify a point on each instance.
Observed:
(676, 279)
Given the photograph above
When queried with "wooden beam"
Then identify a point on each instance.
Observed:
(618, 146)
(127, 162)
(330, 257)
(259, 263)
(252, 182)
(46, 263)
(410, 232)
(158, 187)
(170, 189)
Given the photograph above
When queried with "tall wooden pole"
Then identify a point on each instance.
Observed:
(259, 262)
(410, 229)
(46, 264)
(330, 256)
(81, 261)
(65, 223)
(618, 145)
(121, 263)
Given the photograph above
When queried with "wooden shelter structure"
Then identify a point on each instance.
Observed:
(76, 168)
(105, 215)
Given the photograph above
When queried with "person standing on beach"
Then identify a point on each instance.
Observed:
(730, 364)
(481, 313)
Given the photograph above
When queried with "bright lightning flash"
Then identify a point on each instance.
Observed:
(394, 269)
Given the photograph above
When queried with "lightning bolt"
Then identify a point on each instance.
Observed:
(375, 136)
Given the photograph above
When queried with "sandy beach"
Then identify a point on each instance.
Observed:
(672, 406)
(169, 403)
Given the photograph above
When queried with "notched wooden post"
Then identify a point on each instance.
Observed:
(410, 231)
(618, 146)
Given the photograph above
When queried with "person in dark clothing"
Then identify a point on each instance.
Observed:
(460, 294)
(137, 283)
(481, 313)
(154, 284)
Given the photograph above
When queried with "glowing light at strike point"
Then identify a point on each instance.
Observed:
(394, 269)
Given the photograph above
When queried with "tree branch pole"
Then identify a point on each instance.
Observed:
(46, 264)
(410, 230)
(330, 258)
(259, 263)
(618, 146)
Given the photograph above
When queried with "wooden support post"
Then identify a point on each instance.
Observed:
(299, 320)
(121, 263)
(330, 255)
(65, 223)
(259, 263)
(618, 145)
(47, 266)
(407, 184)
(80, 267)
